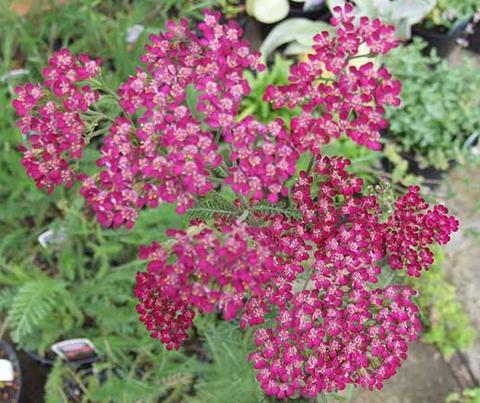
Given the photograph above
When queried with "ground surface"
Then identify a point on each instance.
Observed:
(423, 378)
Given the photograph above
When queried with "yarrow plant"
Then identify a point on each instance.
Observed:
(299, 256)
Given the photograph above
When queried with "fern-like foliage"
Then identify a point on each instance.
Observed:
(289, 212)
(54, 392)
(229, 377)
(32, 305)
(6, 297)
(124, 391)
(216, 204)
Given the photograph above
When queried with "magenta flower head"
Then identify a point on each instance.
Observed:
(50, 118)
(297, 255)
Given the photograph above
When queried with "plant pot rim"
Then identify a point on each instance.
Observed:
(451, 34)
(13, 358)
(50, 362)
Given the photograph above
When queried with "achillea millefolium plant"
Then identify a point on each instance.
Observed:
(297, 255)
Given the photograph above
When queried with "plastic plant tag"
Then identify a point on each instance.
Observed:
(6, 371)
(14, 74)
(134, 32)
(75, 350)
(51, 237)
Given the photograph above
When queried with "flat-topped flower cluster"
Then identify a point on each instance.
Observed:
(307, 278)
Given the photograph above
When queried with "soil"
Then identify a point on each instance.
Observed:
(423, 378)
(462, 266)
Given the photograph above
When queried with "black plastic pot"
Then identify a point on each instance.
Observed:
(321, 13)
(11, 392)
(432, 175)
(474, 39)
(50, 357)
(443, 42)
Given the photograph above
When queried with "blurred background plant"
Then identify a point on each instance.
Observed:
(438, 120)
(465, 396)
(403, 14)
(448, 14)
(447, 326)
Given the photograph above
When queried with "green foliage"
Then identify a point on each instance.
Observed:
(98, 28)
(466, 396)
(253, 104)
(212, 205)
(231, 8)
(447, 324)
(54, 392)
(229, 374)
(440, 106)
(39, 310)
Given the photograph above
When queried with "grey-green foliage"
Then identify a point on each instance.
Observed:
(403, 14)
(440, 110)
(229, 376)
(298, 33)
(32, 307)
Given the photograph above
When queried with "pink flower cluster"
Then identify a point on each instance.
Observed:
(184, 103)
(170, 154)
(112, 194)
(50, 118)
(412, 228)
(263, 159)
(332, 324)
(335, 96)
(207, 270)
(321, 343)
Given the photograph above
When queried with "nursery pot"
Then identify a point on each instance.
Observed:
(474, 39)
(10, 391)
(81, 361)
(431, 174)
(320, 12)
(443, 42)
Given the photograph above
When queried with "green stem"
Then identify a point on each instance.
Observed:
(369, 54)
(307, 281)
(311, 163)
(101, 85)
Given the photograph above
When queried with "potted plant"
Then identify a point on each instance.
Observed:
(437, 122)
(446, 24)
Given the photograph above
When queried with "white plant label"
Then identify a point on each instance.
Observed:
(7, 373)
(75, 349)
